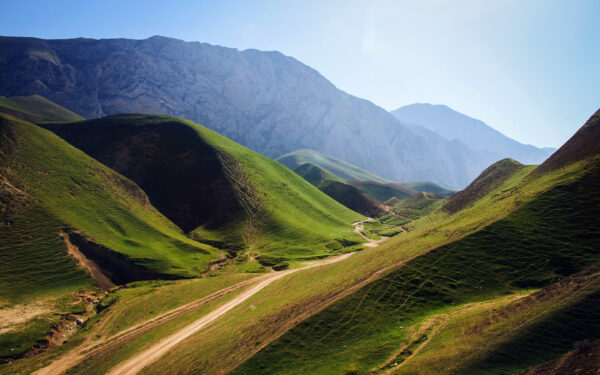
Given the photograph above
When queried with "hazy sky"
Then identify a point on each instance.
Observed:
(529, 68)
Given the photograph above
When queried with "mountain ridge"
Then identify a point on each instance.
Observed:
(266, 101)
(489, 143)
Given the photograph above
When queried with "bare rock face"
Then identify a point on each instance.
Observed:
(266, 101)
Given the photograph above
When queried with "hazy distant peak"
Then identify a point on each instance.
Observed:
(491, 144)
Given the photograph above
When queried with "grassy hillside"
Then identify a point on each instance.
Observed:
(418, 205)
(36, 108)
(47, 187)
(382, 192)
(317, 176)
(583, 144)
(491, 178)
(339, 190)
(428, 187)
(362, 331)
(339, 168)
(215, 189)
(351, 197)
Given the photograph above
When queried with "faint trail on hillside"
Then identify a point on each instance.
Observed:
(359, 229)
(139, 361)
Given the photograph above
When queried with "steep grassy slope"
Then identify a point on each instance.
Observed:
(351, 197)
(215, 189)
(547, 239)
(338, 167)
(507, 339)
(36, 108)
(49, 186)
(491, 178)
(583, 144)
(339, 190)
(315, 175)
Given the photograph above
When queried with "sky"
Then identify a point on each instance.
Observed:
(528, 68)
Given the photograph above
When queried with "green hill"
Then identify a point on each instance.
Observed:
(363, 331)
(417, 205)
(512, 294)
(51, 195)
(428, 187)
(343, 170)
(490, 179)
(381, 192)
(48, 186)
(216, 190)
(315, 175)
(339, 190)
(36, 108)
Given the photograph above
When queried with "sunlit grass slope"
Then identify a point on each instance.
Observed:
(340, 168)
(216, 189)
(547, 239)
(49, 186)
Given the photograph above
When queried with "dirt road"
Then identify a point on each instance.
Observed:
(143, 359)
(134, 364)
(359, 229)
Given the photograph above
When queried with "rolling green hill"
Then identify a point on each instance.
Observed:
(428, 187)
(343, 170)
(52, 195)
(490, 179)
(381, 192)
(364, 330)
(36, 108)
(417, 205)
(339, 190)
(470, 306)
(216, 190)
(48, 186)
(317, 176)
(375, 187)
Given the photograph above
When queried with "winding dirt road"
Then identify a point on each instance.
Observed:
(136, 363)
(359, 229)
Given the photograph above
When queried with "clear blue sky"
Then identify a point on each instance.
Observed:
(530, 69)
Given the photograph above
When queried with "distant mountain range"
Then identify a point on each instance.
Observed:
(266, 101)
(488, 143)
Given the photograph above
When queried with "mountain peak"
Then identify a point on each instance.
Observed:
(490, 144)
(584, 144)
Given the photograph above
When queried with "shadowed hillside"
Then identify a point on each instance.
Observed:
(216, 190)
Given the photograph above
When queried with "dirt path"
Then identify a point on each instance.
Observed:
(136, 363)
(359, 229)
(87, 349)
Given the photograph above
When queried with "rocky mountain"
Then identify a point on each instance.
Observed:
(490, 144)
(266, 101)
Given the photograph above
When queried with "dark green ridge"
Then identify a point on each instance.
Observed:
(217, 190)
(49, 186)
(490, 179)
